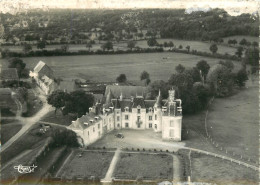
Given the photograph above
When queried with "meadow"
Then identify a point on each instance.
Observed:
(160, 66)
(233, 122)
(122, 45)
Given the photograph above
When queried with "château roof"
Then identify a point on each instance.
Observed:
(127, 91)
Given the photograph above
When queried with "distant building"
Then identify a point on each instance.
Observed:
(7, 104)
(125, 107)
(44, 77)
(8, 74)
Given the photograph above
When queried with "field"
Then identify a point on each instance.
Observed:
(144, 166)
(233, 122)
(9, 130)
(91, 163)
(108, 67)
(215, 170)
(194, 45)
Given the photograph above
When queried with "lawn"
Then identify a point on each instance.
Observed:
(59, 118)
(108, 67)
(210, 169)
(233, 122)
(144, 166)
(9, 130)
(91, 163)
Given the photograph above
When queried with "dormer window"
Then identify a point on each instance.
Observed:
(126, 109)
(138, 111)
(150, 109)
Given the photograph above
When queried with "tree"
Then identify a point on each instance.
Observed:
(58, 99)
(188, 48)
(107, 46)
(27, 48)
(243, 42)
(220, 80)
(144, 75)
(18, 64)
(213, 48)
(170, 44)
(183, 81)
(64, 48)
(241, 77)
(239, 51)
(180, 68)
(255, 44)
(89, 45)
(204, 67)
(195, 74)
(230, 66)
(155, 86)
(78, 103)
(151, 42)
(121, 78)
(41, 45)
(131, 44)
(180, 46)
(165, 44)
(202, 91)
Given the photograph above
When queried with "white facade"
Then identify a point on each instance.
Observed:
(136, 113)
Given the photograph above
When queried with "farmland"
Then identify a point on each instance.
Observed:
(108, 67)
(194, 45)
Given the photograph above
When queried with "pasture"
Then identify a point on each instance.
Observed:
(160, 66)
(233, 122)
(194, 45)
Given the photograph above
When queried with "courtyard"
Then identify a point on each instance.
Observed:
(147, 139)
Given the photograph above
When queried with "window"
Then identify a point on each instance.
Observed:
(126, 117)
(93, 129)
(138, 118)
(150, 125)
(150, 118)
(118, 125)
(171, 133)
(171, 123)
(118, 118)
(98, 126)
(126, 109)
(117, 112)
(155, 117)
(155, 126)
(138, 111)
(126, 125)
(150, 109)
(139, 125)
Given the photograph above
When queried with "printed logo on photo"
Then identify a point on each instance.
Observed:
(25, 169)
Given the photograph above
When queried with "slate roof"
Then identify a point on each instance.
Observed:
(9, 74)
(127, 91)
(43, 69)
(87, 120)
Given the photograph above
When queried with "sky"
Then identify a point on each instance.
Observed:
(233, 7)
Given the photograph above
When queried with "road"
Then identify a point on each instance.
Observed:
(29, 122)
